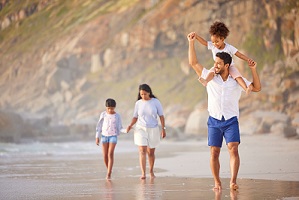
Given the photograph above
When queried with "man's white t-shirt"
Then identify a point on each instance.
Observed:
(223, 96)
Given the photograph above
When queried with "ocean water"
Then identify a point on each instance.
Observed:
(65, 148)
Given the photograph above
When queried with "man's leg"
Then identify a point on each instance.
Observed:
(215, 166)
(234, 163)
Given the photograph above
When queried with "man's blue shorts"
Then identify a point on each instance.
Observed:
(109, 139)
(217, 129)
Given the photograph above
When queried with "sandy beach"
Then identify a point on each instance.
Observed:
(269, 170)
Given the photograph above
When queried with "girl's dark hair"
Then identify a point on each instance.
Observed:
(219, 29)
(146, 88)
(110, 103)
(227, 59)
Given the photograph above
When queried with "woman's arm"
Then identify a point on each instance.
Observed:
(163, 132)
(134, 120)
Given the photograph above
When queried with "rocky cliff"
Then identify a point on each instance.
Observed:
(60, 60)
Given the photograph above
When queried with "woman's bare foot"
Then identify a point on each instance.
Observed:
(142, 177)
(234, 186)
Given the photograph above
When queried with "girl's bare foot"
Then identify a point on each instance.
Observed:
(203, 81)
(248, 89)
(108, 177)
(142, 177)
(152, 175)
(234, 186)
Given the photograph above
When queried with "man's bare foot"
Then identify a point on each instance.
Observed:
(152, 175)
(203, 81)
(217, 186)
(234, 186)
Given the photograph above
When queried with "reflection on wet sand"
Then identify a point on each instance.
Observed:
(108, 192)
(147, 190)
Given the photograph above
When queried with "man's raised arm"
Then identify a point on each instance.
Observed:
(192, 55)
(256, 83)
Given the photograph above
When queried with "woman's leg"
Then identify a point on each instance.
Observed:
(142, 161)
(151, 159)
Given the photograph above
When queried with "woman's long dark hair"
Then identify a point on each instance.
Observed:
(146, 88)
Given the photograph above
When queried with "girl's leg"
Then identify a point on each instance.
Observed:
(234, 72)
(203, 81)
(142, 161)
(110, 159)
(242, 83)
(151, 159)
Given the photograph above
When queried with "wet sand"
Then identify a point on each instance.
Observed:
(269, 170)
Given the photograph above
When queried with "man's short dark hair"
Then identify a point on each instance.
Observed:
(110, 103)
(227, 59)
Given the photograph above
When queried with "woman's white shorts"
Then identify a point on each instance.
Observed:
(144, 136)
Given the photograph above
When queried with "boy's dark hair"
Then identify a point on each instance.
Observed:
(110, 103)
(219, 29)
(227, 59)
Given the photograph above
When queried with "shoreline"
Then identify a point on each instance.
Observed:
(268, 171)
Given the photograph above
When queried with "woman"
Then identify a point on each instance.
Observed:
(147, 133)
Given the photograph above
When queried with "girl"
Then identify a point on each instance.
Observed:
(108, 128)
(219, 32)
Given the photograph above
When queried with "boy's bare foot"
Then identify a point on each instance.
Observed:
(234, 186)
(203, 81)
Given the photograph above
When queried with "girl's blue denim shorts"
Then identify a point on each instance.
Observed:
(109, 139)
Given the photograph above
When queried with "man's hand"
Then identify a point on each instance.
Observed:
(251, 64)
(191, 36)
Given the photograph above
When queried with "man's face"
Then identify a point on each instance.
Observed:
(219, 66)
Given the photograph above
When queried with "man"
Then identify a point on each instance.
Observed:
(223, 106)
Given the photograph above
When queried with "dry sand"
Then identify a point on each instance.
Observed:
(269, 170)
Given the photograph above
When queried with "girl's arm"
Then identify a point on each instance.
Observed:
(242, 56)
(201, 40)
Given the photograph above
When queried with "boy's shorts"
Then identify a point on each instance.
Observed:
(109, 139)
(149, 137)
(217, 129)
